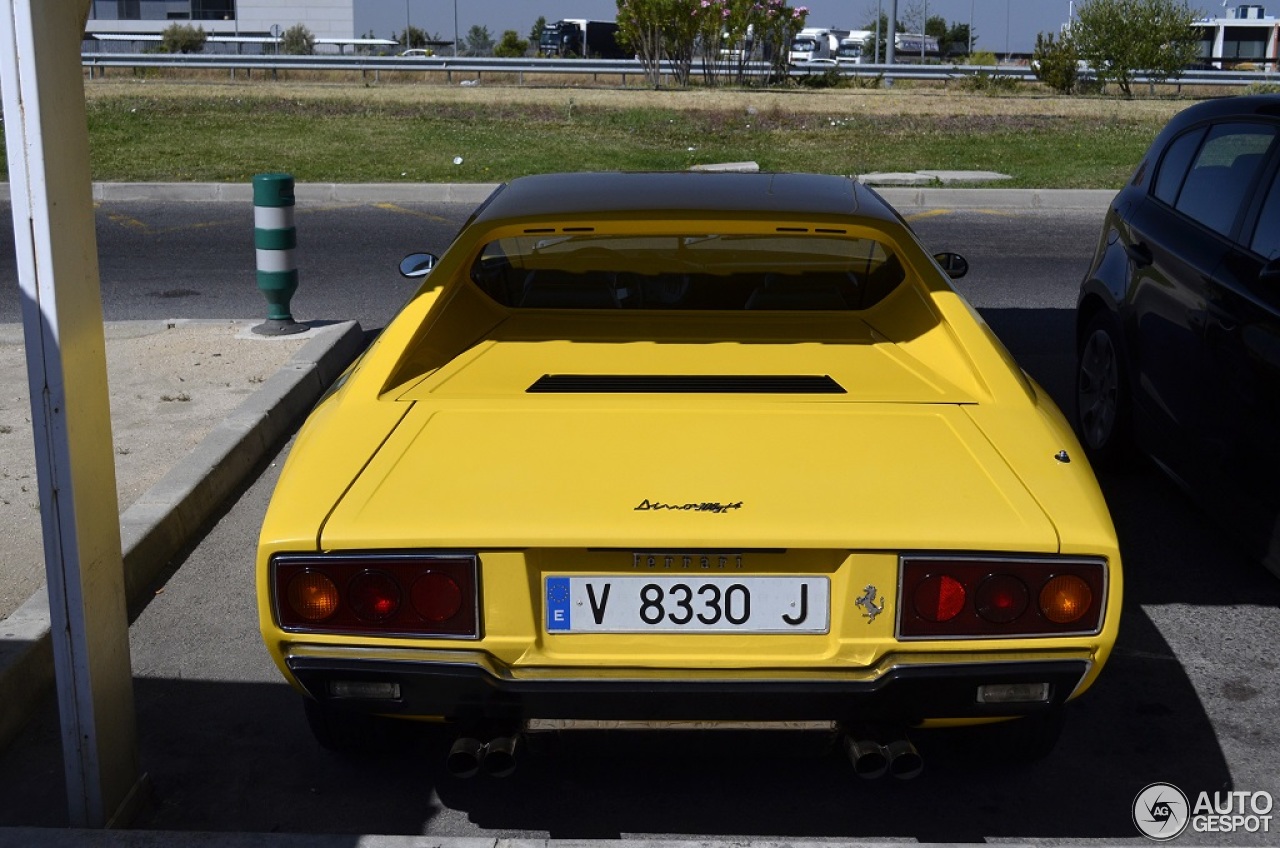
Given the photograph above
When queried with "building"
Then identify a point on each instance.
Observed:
(232, 25)
(1247, 37)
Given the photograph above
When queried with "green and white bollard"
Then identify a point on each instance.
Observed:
(275, 238)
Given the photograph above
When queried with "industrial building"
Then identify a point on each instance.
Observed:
(247, 26)
(1246, 37)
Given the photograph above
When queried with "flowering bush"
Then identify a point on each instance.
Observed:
(724, 34)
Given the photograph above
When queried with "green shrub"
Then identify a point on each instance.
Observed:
(298, 41)
(1057, 62)
(182, 38)
(983, 57)
(829, 78)
(984, 83)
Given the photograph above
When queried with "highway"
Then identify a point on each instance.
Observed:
(1190, 696)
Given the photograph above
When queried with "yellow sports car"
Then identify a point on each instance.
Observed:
(697, 448)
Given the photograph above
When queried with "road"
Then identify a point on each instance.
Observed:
(1189, 698)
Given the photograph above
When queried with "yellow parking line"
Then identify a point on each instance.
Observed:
(932, 213)
(395, 207)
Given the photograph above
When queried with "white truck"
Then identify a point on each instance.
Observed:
(816, 44)
(857, 48)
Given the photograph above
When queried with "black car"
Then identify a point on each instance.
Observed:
(1178, 322)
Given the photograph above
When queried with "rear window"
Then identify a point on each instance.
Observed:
(687, 272)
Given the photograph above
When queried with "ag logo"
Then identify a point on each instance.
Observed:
(1161, 812)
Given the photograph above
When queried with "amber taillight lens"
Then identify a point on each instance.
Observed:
(312, 596)
(1065, 599)
(975, 596)
(394, 593)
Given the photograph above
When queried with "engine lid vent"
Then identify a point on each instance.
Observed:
(749, 384)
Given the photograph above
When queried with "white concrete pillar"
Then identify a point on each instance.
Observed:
(47, 139)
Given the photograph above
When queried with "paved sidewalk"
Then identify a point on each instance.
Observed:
(196, 405)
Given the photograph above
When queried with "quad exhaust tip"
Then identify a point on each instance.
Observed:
(872, 760)
(469, 756)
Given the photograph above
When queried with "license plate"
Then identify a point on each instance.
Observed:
(687, 604)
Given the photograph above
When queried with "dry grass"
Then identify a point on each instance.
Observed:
(417, 89)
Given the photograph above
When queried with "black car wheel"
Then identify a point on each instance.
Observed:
(1102, 394)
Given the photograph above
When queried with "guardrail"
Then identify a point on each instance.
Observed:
(477, 66)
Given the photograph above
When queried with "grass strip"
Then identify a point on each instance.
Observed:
(424, 133)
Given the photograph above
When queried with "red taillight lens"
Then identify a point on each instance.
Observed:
(1000, 597)
(374, 595)
(312, 596)
(939, 597)
(1065, 599)
(409, 594)
(436, 596)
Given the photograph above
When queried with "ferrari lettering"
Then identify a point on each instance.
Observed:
(686, 561)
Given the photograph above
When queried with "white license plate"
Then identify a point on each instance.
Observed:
(687, 604)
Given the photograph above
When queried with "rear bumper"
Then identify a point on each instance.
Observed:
(906, 694)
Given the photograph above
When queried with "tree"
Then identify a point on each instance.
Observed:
(535, 34)
(479, 41)
(640, 29)
(512, 45)
(412, 38)
(1057, 63)
(298, 41)
(1121, 38)
(958, 40)
(182, 38)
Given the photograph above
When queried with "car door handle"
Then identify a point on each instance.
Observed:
(1139, 253)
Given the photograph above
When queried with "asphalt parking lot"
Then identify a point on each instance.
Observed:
(1189, 697)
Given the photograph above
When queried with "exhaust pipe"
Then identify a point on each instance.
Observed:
(465, 757)
(905, 761)
(869, 758)
(500, 756)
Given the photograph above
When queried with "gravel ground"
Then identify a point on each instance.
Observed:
(170, 384)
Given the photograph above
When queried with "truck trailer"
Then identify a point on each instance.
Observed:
(579, 38)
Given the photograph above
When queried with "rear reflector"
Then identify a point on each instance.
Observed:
(364, 689)
(1015, 693)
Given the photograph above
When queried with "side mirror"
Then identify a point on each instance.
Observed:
(417, 264)
(954, 264)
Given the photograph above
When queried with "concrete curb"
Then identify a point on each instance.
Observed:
(38, 838)
(914, 198)
(171, 512)
(1061, 199)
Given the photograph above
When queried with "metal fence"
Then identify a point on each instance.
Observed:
(476, 67)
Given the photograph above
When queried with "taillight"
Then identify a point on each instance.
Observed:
(951, 597)
(407, 594)
(312, 596)
(1065, 599)
(939, 597)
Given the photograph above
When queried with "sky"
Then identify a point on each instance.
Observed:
(999, 25)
